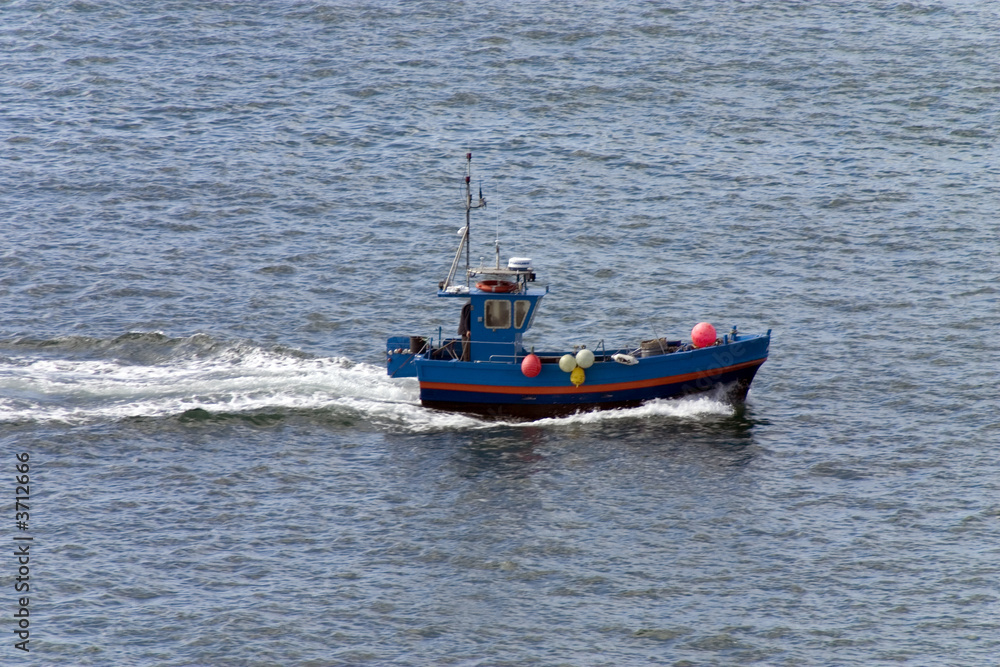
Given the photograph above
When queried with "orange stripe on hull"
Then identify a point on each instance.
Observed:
(585, 388)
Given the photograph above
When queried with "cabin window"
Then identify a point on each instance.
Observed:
(521, 310)
(497, 314)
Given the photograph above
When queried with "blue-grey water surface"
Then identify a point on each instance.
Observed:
(214, 213)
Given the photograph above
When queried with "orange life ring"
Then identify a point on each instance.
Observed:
(496, 286)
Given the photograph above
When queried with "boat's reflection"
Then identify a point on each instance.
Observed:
(714, 440)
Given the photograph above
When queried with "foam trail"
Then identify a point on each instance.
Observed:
(239, 380)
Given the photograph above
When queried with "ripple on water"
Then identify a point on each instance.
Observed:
(215, 218)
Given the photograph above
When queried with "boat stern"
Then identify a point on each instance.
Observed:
(400, 352)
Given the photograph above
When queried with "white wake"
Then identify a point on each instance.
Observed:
(39, 385)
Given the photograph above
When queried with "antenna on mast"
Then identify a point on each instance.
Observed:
(465, 230)
(468, 209)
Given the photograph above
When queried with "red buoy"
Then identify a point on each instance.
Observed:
(531, 366)
(703, 335)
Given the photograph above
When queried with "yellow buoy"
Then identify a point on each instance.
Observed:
(577, 377)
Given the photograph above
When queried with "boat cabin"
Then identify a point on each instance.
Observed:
(500, 306)
(492, 323)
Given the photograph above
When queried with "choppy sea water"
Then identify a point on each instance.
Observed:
(215, 213)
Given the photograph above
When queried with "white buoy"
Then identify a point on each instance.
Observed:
(584, 358)
(567, 363)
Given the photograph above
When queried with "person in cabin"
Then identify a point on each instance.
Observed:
(464, 329)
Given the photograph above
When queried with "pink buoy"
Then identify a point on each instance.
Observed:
(531, 365)
(703, 335)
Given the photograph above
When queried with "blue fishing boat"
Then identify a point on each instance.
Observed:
(487, 369)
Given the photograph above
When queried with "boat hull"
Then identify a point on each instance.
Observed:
(501, 390)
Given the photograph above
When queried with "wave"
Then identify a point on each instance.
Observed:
(79, 380)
